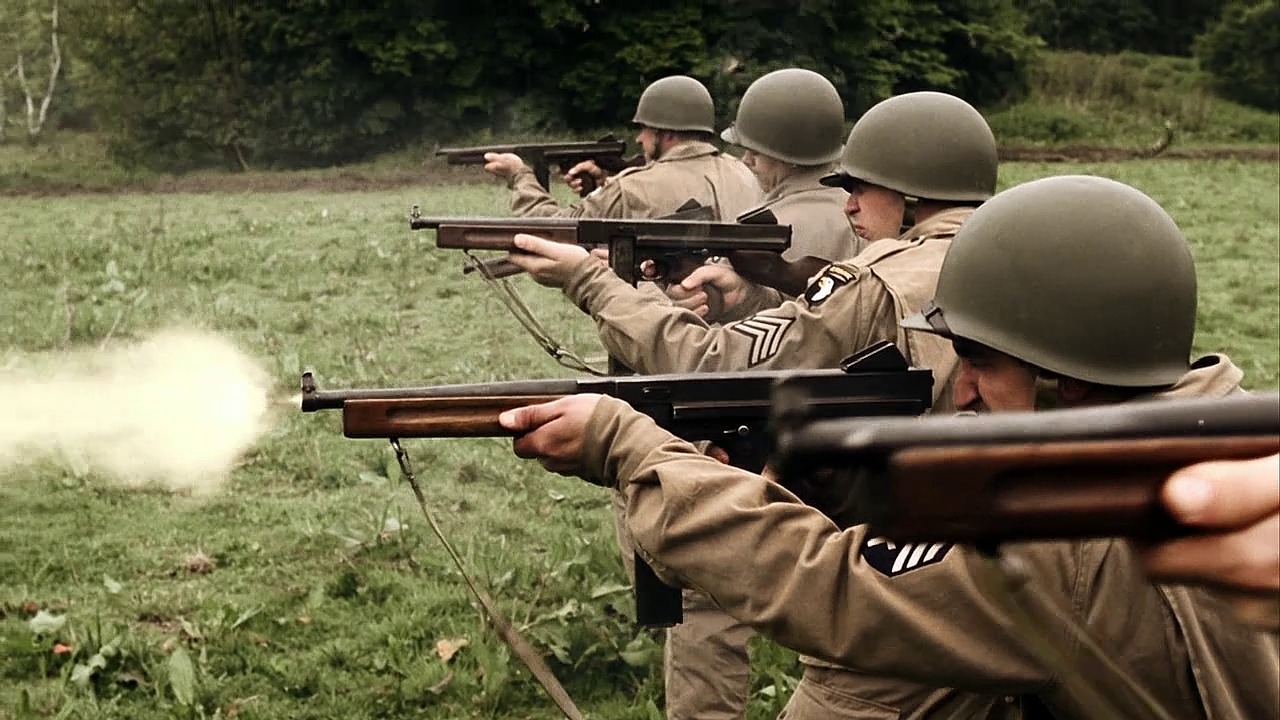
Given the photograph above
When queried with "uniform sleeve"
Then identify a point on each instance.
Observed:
(529, 199)
(841, 313)
(789, 572)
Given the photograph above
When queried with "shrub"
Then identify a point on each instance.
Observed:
(1037, 123)
(1242, 53)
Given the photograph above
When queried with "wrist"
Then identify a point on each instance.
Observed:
(519, 172)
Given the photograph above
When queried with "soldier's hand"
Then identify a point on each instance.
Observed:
(586, 168)
(705, 301)
(504, 165)
(723, 289)
(552, 432)
(1237, 504)
(549, 263)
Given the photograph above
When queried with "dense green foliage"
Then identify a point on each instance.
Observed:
(315, 82)
(1242, 52)
(190, 82)
(1161, 27)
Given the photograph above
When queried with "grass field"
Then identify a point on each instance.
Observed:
(309, 587)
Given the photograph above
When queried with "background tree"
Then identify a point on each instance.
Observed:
(30, 59)
(1162, 27)
(286, 83)
(1241, 51)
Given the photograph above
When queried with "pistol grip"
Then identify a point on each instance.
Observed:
(658, 605)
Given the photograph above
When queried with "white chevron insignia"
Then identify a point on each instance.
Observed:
(892, 559)
(766, 335)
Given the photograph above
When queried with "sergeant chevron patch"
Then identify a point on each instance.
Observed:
(892, 559)
(831, 278)
(766, 336)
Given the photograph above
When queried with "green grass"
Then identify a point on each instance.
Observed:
(327, 594)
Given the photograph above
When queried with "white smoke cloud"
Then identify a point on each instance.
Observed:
(179, 408)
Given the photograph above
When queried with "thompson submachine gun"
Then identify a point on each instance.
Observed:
(730, 409)
(1006, 477)
(501, 267)
(672, 247)
(606, 153)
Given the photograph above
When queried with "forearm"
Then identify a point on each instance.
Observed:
(786, 570)
(755, 298)
(642, 329)
(530, 199)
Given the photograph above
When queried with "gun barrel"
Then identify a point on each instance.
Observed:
(473, 155)
(314, 399)
(424, 222)
(576, 152)
(551, 152)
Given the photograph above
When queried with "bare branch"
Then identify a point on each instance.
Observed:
(22, 83)
(54, 68)
(35, 122)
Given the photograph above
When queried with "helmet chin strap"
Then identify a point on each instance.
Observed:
(1046, 393)
(909, 204)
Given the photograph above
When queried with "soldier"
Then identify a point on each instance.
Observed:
(1080, 287)
(790, 123)
(706, 666)
(921, 160)
(676, 118)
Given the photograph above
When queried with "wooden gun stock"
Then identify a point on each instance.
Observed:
(500, 237)
(1051, 475)
(432, 417)
(987, 494)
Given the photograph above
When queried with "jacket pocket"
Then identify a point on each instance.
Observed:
(813, 701)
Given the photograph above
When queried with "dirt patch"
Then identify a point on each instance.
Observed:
(1092, 154)
(431, 174)
(253, 182)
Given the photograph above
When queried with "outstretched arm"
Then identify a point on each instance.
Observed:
(1237, 503)
(692, 516)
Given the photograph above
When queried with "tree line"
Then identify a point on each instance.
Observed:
(290, 83)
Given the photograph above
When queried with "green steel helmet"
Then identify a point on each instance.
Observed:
(678, 102)
(1082, 276)
(922, 144)
(793, 115)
